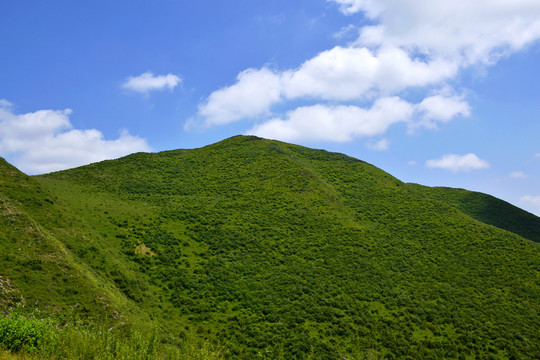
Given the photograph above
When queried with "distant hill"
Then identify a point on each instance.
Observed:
(487, 209)
(281, 251)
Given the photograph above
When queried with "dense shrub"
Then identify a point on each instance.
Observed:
(19, 332)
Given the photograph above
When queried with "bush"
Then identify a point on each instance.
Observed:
(18, 332)
(30, 336)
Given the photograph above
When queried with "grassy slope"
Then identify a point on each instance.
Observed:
(283, 251)
(45, 250)
(487, 209)
(40, 243)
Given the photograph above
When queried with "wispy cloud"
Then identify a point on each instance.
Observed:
(381, 145)
(532, 202)
(147, 82)
(349, 7)
(458, 163)
(518, 175)
(346, 32)
(535, 200)
(45, 141)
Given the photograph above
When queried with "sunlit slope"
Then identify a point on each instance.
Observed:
(283, 251)
(40, 244)
(487, 209)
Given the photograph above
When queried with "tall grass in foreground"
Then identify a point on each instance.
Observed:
(31, 336)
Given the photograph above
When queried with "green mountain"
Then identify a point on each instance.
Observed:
(276, 251)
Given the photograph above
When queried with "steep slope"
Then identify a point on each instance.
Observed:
(487, 209)
(281, 251)
(40, 243)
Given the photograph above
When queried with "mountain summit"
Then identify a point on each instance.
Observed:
(281, 251)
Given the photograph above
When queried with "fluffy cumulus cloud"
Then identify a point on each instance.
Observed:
(469, 32)
(45, 141)
(458, 163)
(252, 95)
(341, 74)
(335, 123)
(342, 123)
(441, 108)
(147, 82)
(420, 44)
(356, 73)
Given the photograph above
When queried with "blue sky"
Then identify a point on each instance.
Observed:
(438, 93)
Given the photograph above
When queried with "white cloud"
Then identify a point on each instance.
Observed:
(341, 123)
(147, 82)
(356, 73)
(471, 32)
(518, 175)
(349, 7)
(45, 141)
(337, 74)
(441, 108)
(5, 105)
(535, 200)
(252, 95)
(346, 31)
(458, 163)
(537, 155)
(336, 123)
(380, 145)
(418, 44)
(532, 203)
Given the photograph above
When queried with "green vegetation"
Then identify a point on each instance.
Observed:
(487, 209)
(18, 332)
(39, 247)
(34, 335)
(274, 251)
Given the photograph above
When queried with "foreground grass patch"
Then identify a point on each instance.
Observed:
(29, 336)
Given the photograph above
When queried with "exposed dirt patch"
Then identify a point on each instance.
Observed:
(144, 250)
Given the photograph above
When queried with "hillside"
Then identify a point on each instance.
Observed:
(487, 209)
(40, 243)
(280, 251)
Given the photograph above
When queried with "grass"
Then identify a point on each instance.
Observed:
(34, 335)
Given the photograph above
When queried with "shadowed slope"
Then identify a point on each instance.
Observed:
(487, 209)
